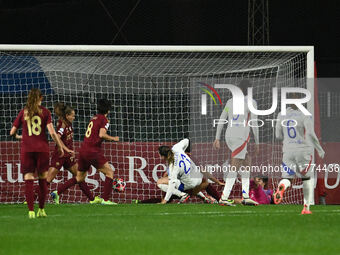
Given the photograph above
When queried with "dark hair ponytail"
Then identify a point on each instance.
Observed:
(32, 105)
(167, 153)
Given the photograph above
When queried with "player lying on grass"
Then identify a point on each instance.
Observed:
(299, 141)
(183, 174)
(258, 192)
(237, 137)
(91, 153)
(66, 116)
(34, 158)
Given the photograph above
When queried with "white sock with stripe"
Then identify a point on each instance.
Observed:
(245, 175)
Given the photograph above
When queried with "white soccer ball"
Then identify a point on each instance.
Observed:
(119, 184)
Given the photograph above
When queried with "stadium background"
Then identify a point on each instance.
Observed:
(194, 23)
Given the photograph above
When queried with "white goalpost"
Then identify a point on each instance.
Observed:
(156, 96)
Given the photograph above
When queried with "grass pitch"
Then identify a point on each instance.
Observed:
(170, 229)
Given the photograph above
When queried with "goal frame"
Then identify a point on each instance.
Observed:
(309, 50)
(177, 48)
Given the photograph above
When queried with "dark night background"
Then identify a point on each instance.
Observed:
(182, 22)
(173, 22)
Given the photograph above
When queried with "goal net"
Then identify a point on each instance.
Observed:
(156, 94)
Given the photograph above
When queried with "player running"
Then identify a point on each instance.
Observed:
(91, 153)
(181, 170)
(34, 157)
(237, 137)
(299, 141)
(66, 116)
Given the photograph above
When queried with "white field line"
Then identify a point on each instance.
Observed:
(226, 213)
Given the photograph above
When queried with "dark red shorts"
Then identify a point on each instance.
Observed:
(66, 162)
(87, 158)
(32, 162)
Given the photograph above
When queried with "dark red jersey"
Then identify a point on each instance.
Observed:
(92, 141)
(34, 138)
(65, 130)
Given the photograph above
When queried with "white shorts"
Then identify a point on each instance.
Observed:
(297, 163)
(187, 184)
(237, 146)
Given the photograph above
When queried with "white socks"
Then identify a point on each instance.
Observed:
(164, 187)
(201, 195)
(229, 183)
(307, 192)
(245, 175)
(285, 182)
(307, 187)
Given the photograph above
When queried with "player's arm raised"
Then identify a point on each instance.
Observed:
(181, 146)
(56, 139)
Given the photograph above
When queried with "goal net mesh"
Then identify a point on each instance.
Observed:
(154, 97)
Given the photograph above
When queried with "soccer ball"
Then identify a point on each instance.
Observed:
(119, 184)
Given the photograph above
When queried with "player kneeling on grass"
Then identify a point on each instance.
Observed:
(213, 194)
(180, 168)
(91, 153)
(299, 141)
(258, 192)
(34, 158)
(163, 184)
(66, 116)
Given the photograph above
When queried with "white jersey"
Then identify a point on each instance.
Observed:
(182, 169)
(238, 124)
(297, 132)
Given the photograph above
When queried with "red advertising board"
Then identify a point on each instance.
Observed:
(138, 164)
